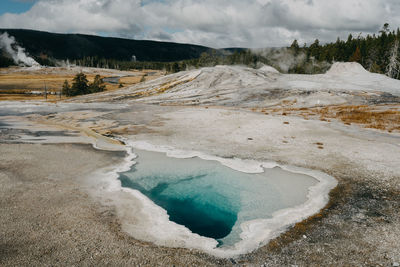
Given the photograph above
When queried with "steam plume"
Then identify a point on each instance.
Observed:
(17, 53)
(285, 59)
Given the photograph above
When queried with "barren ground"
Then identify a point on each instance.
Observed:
(353, 136)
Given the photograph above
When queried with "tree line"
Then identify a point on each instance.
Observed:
(377, 53)
(244, 57)
(81, 85)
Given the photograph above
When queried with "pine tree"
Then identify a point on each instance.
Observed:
(66, 89)
(97, 85)
(385, 29)
(175, 67)
(356, 57)
(315, 49)
(349, 38)
(295, 47)
(80, 85)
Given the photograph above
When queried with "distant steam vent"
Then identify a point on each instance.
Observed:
(133, 58)
(16, 52)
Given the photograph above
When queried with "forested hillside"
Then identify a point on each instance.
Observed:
(44, 45)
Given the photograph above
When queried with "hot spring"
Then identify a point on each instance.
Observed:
(211, 199)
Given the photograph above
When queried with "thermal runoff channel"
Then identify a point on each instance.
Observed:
(211, 199)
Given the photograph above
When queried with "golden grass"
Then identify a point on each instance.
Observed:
(382, 117)
(17, 85)
(32, 82)
(126, 81)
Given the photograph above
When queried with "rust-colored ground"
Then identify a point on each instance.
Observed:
(383, 117)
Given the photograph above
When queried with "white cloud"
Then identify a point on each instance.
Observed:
(222, 23)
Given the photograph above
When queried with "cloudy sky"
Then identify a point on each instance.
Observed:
(215, 23)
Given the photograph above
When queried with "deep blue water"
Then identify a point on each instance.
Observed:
(210, 199)
(202, 218)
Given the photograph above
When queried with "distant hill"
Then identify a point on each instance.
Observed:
(77, 46)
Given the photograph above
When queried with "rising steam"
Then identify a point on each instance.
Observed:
(286, 60)
(9, 45)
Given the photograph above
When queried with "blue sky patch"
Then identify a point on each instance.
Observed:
(14, 6)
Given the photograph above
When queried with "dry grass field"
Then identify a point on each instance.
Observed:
(22, 85)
